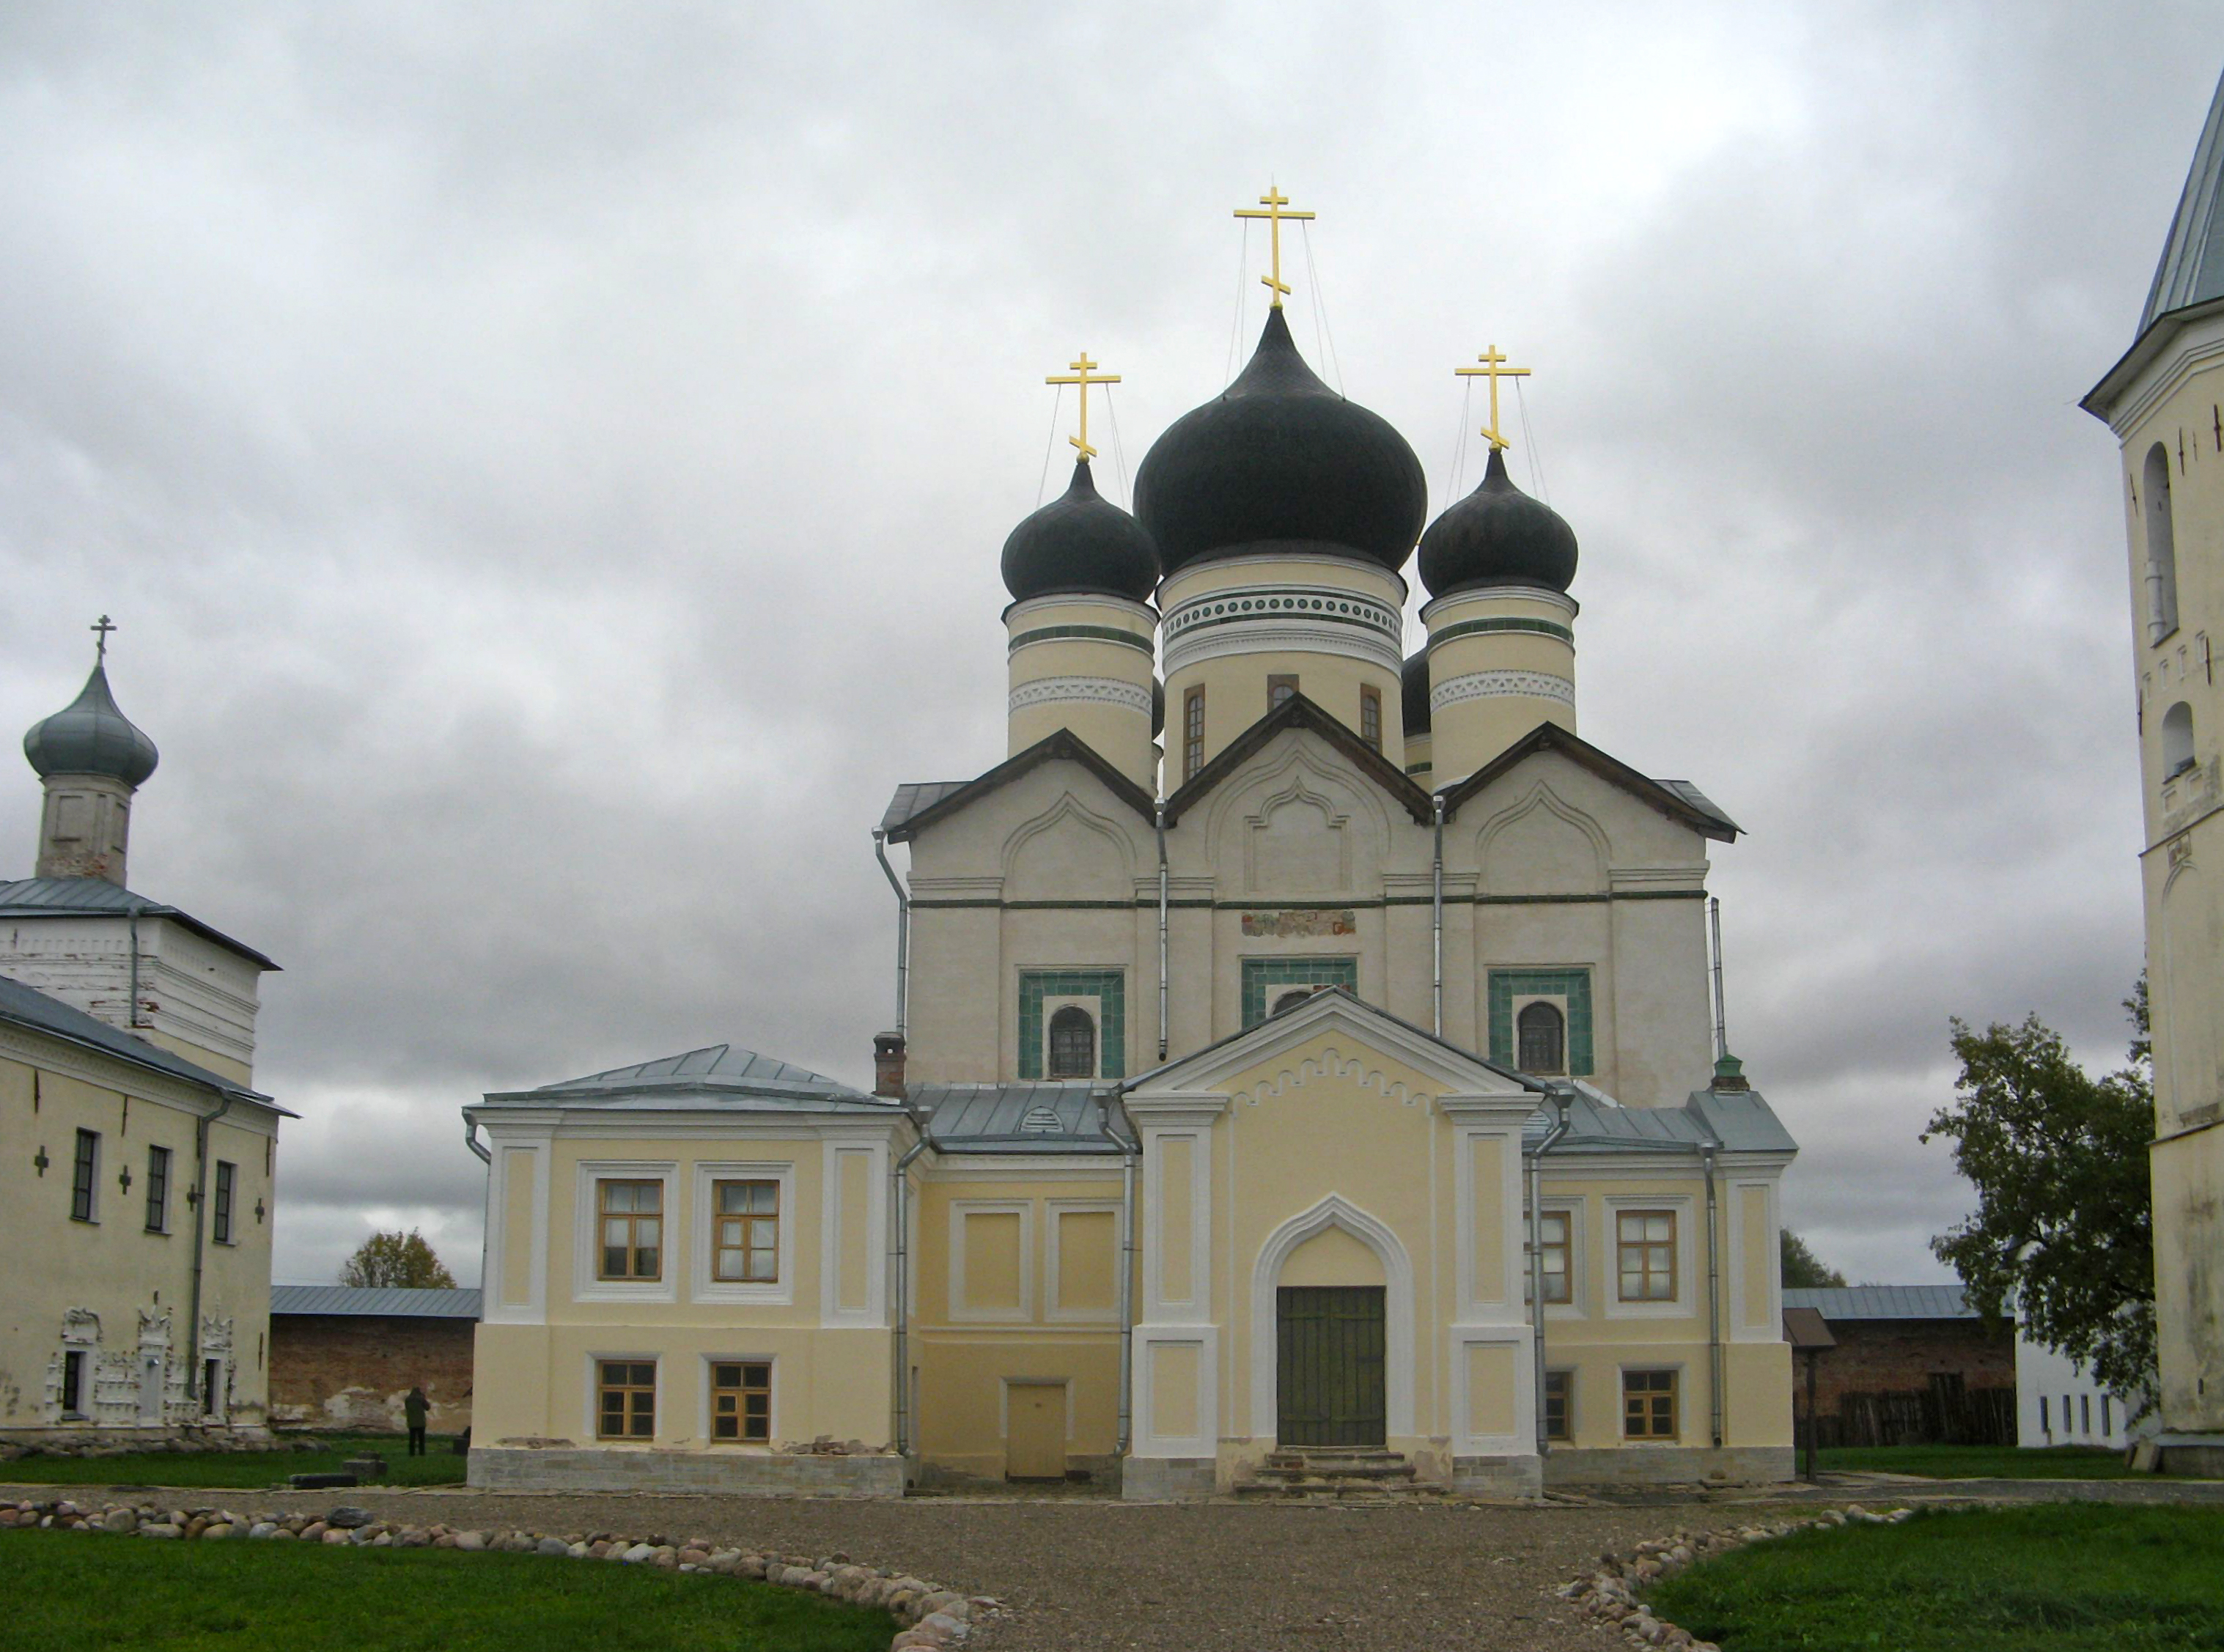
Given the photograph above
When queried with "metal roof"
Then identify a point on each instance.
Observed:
(916, 798)
(2192, 267)
(1015, 1117)
(97, 898)
(27, 1007)
(717, 1075)
(388, 1302)
(1739, 1121)
(1698, 800)
(1883, 1302)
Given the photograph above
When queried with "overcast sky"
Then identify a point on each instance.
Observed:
(549, 462)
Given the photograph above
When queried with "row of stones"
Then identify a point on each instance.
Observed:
(1610, 1593)
(933, 1618)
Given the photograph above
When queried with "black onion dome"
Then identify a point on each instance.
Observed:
(1080, 541)
(1158, 708)
(1414, 694)
(1498, 535)
(90, 735)
(1278, 458)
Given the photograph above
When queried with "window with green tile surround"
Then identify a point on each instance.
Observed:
(1265, 980)
(1572, 986)
(1108, 987)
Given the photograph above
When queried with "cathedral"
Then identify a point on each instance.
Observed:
(1303, 1081)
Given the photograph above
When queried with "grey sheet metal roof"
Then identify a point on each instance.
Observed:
(1883, 1302)
(916, 798)
(1698, 800)
(97, 898)
(390, 1302)
(1015, 1117)
(717, 1075)
(2191, 270)
(27, 1007)
(1740, 1121)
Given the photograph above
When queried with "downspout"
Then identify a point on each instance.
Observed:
(1537, 1255)
(903, 925)
(472, 1140)
(899, 1200)
(132, 918)
(1159, 824)
(1131, 1152)
(200, 1238)
(1436, 921)
(1707, 1151)
(1715, 928)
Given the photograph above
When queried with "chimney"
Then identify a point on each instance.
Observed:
(889, 1065)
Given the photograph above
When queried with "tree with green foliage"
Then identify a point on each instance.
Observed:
(397, 1259)
(1803, 1269)
(2063, 1236)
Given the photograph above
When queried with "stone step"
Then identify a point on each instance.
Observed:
(1398, 1470)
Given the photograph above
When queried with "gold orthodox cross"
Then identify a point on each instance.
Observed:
(103, 628)
(1493, 367)
(1273, 200)
(1083, 376)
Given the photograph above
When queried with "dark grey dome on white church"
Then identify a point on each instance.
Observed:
(1080, 542)
(91, 735)
(1414, 694)
(1498, 535)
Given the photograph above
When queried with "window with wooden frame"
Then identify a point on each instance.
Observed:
(74, 1382)
(1280, 686)
(1645, 1244)
(1370, 717)
(1541, 1033)
(227, 1184)
(1559, 1407)
(625, 1399)
(745, 1235)
(629, 1229)
(741, 1400)
(1555, 1238)
(1648, 1405)
(1072, 1043)
(158, 1190)
(85, 1176)
(1192, 731)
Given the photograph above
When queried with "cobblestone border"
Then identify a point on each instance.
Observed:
(1609, 1593)
(932, 1618)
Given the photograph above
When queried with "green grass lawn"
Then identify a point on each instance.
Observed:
(67, 1592)
(438, 1466)
(1982, 1462)
(2047, 1577)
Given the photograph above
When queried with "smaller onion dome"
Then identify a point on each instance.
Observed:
(1414, 694)
(1498, 535)
(1158, 708)
(90, 735)
(1080, 542)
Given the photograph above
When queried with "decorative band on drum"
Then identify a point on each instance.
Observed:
(1485, 685)
(1085, 691)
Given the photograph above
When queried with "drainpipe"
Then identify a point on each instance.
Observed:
(472, 1140)
(1436, 920)
(1537, 1253)
(903, 924)
(131, 916)
(1159, 823)
(1707, 1151)
(1714, 926)
(200, 1238)
(899, 1200)
(1131, 1152)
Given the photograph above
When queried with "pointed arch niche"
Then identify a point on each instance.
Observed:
(1399, 1355)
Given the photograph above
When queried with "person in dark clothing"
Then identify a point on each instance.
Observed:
(414, 1405)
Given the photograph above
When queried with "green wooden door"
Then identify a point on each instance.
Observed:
(1329, 1387)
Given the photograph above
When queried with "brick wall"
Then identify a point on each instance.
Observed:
(1877, 1360)
(351, 1370)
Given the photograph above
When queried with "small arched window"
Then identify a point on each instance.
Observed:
(1072, 1043)
(1290, 1000)
(2176, 739)
(2162, 547)
(1544, 1038)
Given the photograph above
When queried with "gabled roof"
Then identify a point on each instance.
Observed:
(1843, 1302)
(933, 800)
(27, 1007)
(392, 1302)
(1735, 1121)
(717, 1076)
(97, 898)
(1298, 712)
(1677, 799)
(1045, 1117)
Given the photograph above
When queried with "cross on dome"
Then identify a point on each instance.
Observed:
(1493, 368)
(103, 626)
(1083, 375)
(1273, 200)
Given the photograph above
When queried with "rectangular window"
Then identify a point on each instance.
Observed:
(625, 1399)
(745, 1241)
(2044, 1426)
(1280, 687)
(1559, 1419)
(741, 1400)
(2084, 1414)
(2107, 1426)
(1192, 731)
(84, 1176)
(1648, 1404)
(1646, 1242)
(629, 1217)
(1554, 1236)
(1370, 717)
(158, 1190)
(227, 1180)
(73, 1383)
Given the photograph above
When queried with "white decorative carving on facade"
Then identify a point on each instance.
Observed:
(1273, 631)
(1485, 685)
(1085, 691)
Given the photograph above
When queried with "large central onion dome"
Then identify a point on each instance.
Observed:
(1498, 535)
(1281, 461)
(1080, 542)
(90, 735)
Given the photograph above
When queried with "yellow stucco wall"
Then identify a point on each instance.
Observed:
(1117, 730)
